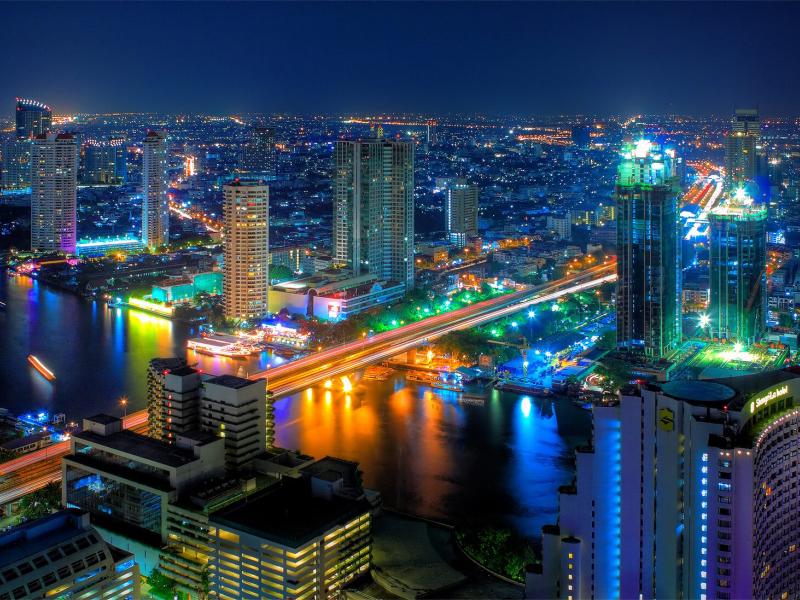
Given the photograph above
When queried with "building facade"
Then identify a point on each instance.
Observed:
(63, 556)
(33, 118)
(105, 163)
(246, 250)
(260, 159)
(155, 202)
(157, 392)
(54, 193)
(373, 208)
(741, 148)
(738, 270)
(688, 490)
(461, 204)
(648, 253)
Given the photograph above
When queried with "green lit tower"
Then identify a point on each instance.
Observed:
(738, 257)
(648, 252)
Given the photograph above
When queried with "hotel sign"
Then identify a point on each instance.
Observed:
(666, 419)
(767, 397)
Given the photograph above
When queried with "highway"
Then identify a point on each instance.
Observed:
(34, 470)
(298, 375)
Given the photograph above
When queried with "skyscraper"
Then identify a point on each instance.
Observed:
(246, 250)
(54, 189)
(105, 162)
(373, 208)
(738, 267)
(260, 159)
(155, 204)
(688, 490)
(648, 253)
(460, 209)
(33, 118)
(741, 145)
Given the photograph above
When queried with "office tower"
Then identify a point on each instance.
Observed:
(16, 164)
(260, 159)
(689, 490)
(373, 208)
(461, 202)
(125, 480)
(234, 409)
(738, 267)
(155, 203)
(63, 556)
(54, 193)
(648, 253)
(298, 538)
(741, 146)
(157, 392)
(246, 250)
(105, 162)
(33, 118)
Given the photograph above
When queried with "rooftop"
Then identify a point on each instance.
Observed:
(35, 536)
(141, 446)
(230, 381)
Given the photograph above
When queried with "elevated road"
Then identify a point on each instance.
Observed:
(298, 375)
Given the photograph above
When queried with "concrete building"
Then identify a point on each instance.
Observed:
(63, 556)
(125, 480)
(561, 226)
(246, 250)
(158, 392)
(741, 147)
(105, 162)
(54, 193)
(373, 208)
(16, 165)
(648, 253)
(155, 203)
(299, 538)
(234, 409)
(688, 490)
(738, 269)
(33, 118)
(461, 205)
(259, 158)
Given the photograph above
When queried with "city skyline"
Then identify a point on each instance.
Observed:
(489, 51)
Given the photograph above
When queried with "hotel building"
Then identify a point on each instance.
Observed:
(688, 490)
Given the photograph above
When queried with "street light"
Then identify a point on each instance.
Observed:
(123, 402)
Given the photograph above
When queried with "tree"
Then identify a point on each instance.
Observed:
(161, 584)
(41, 502)
(203, 588)
(278, 273)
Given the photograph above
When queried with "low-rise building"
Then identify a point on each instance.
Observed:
(63, 556)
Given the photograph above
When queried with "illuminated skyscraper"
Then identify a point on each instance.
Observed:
(105, 162)
(648, 253)
(33, 118)
(54, 189)
(373, 208)
(260, 159)
(246, 249)
(155, 203)
(738, 267)
(460, 209)
(741, 146)
(688, 490)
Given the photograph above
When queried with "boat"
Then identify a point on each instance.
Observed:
(452, 387)
(219, 345)
(521, 387)
(39, 366)
(421, 376)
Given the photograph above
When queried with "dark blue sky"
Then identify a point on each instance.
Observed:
(532, 58)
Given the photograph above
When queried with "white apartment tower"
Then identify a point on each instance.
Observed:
(54, 193)
(155, 204)
(246, 249)
(373, 208)
(460, 209)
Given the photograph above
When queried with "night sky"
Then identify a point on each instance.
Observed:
(535, 58)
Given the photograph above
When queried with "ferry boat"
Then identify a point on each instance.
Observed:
(421, 376)
(39, 366)
(220, 345)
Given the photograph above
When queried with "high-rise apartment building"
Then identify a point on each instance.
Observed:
(63, 556)
(688, 490)
(158, 392)
(246, 250)
(741, 147)
(105, 162)
(461, 203)
(260, 159)
(54, 193)
(155, 203)
(648, 253)
(33, 118)
(738, 268)
(373, 208)
(234, 408)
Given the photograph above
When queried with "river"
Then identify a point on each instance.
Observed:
(500, 459)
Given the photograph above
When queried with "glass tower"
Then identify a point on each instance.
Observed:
(33, 118)
(741, 146)
(648, 253)
(738, 262)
